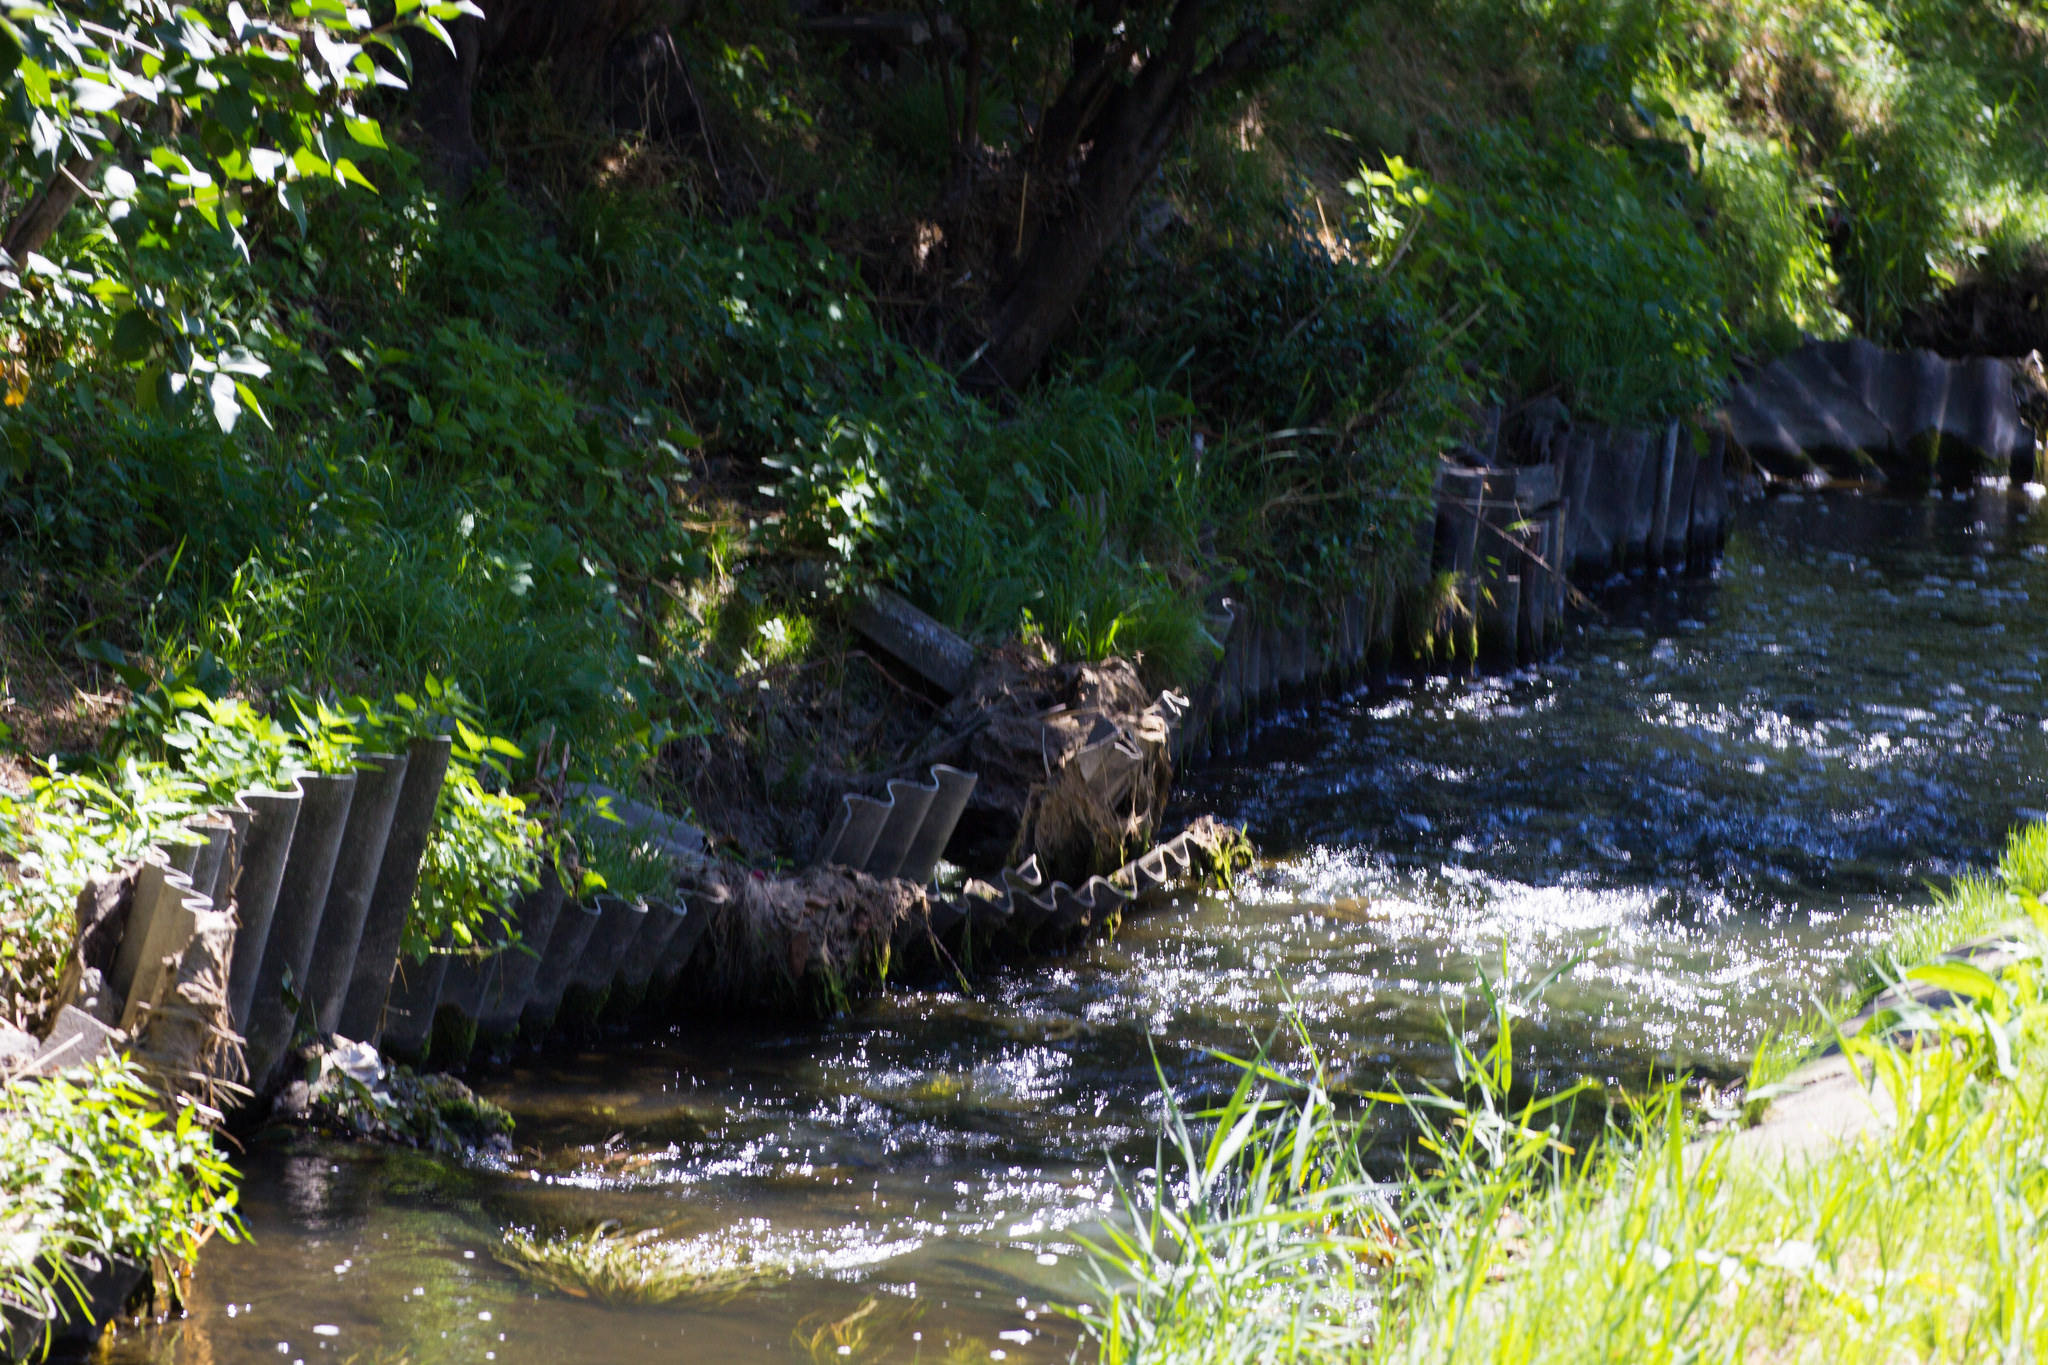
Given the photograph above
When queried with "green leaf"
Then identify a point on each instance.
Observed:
(347, 171)
(135, 332)
(248, 398)
(366, 131)
(294, 202)
(1958, 978)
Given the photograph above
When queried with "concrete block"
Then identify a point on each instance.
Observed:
(380, 780)
(1672, 554)
(664, 920)
(216, 834)
(75, 1039)
(150, 878)
(391, 897)
(852, 835)
(175, 918)
(620, 921)
(273, 816)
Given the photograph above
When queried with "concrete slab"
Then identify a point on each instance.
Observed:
(75, 1039)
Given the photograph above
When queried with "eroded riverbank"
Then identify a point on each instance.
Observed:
(1714, 796)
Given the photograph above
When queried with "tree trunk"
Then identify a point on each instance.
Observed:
(43, 214)
(580, 43)
(1121, 132)
(37, 222)
(443, 84)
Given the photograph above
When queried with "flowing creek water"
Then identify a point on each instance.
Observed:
(1713, 797)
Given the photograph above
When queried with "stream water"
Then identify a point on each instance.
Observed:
(1715, 795)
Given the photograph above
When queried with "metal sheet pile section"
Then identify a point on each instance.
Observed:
(1026, 908)
(579, 963)
(290, 885)
(903, 836)
(607, 956)
(1542, 505)
(1849, 411)
(614, 959)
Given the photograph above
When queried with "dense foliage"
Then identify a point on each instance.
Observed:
(171, 124)
(540, 439)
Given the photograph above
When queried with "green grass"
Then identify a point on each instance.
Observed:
(1969, 908)
(615, 1266)
(1517, 1236)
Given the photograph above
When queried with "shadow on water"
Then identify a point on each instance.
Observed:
(1712, 798)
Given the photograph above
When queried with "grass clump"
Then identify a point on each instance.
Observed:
(616, 1266)
(1516, 1232)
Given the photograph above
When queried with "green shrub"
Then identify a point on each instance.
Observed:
(517, 613)
(1271, 336)
(1904, 182)
(1583, 274)
(483, 854)
(1780, 279)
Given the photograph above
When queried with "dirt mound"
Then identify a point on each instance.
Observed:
(767, 779)
(1075, 762)
(1997, 315)
(802, 942)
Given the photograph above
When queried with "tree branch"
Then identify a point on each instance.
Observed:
(970, 112)
(39, 219)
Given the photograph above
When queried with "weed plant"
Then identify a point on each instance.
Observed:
(622, 864)
(90, 1166)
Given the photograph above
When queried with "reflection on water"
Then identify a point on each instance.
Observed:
(1715, 795)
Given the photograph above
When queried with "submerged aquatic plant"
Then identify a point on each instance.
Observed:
(614, 1265)
(868, 1329)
